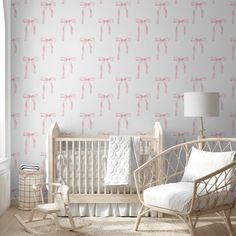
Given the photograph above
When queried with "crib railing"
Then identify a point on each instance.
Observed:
(81, 163)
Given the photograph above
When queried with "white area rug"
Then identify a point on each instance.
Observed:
(110, 226)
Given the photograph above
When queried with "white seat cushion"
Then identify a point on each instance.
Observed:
(174, 196)
(177, 196)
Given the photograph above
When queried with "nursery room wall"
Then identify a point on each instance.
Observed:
(116, 67)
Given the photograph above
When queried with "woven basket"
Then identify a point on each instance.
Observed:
(27, 179)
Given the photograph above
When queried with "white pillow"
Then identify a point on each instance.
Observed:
(202, 163)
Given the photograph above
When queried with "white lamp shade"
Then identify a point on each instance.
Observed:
(201, 104)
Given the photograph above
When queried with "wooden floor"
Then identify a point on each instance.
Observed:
(168, 226)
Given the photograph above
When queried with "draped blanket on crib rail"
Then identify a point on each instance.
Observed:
(123, 158)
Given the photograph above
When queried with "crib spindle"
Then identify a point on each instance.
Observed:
(79, 176)
(92, 170)
(98, 169)
(67, 162)
(86, 167)
(73, 167)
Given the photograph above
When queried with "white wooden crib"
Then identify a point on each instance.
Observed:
(81, 162)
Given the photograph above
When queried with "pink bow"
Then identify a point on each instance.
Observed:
(233, 41)
(30, 23)
(14, 8)
(86, 117)
(67, 60)
(105, 60)
(162, 117)
(86, 41)
(14, 42)
(70, 23)
(142, 60)
(142, 98)
(124, 117)
(217, 23)
(88, 81)
(122, 5)
(179, 99)
(47, 80)
(140, 23)
(15, 116)
(47, 116)
(69, 98)
(161, 6)
(233, 117)
(15, 157)
(86, 5)
(47, 41)
(161, 80)
(233, 6)
(30, 98)
(180, 23)
(49, 5)
(14, 81)
(217, 61)
(180, 60)
(221, 98)
(29, 137)
(233, 80)
(104, 98)
(30, 61)
(122, 80)
(107, 23)
(198, 81)
(196, 42)
(122, 41)
(161, 42)
(196, 6)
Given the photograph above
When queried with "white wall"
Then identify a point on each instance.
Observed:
(2, 82)
(35, 103)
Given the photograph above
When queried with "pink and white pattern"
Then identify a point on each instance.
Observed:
(47, 6)
(30, 62)
(162, 82)
(142, 61)
(86, 42)
(14, 43)
(142, 99)
(47, 82)
(67, 23)
(29, 100)
(198, 6)
(88, 82)
(30, 24)
(30, 140)
(67, 98)
(47, 42)
(87, 118)
(105, 98)
(122, 82)
(67, 61)
(122, 7)
(64, 54)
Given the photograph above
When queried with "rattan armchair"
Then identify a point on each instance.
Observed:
(161, 180)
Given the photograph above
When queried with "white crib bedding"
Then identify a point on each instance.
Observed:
(89, 171)
(93, 209)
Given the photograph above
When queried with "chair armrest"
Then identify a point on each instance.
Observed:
(154, 172)
(214, 188)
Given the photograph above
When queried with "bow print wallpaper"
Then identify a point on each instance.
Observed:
(116, 67)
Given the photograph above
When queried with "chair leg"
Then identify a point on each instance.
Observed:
(31, 215)
(226, 217)
(191, 226)
(142, 212)
(71, 220)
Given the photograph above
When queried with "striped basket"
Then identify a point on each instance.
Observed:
(27, 179)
